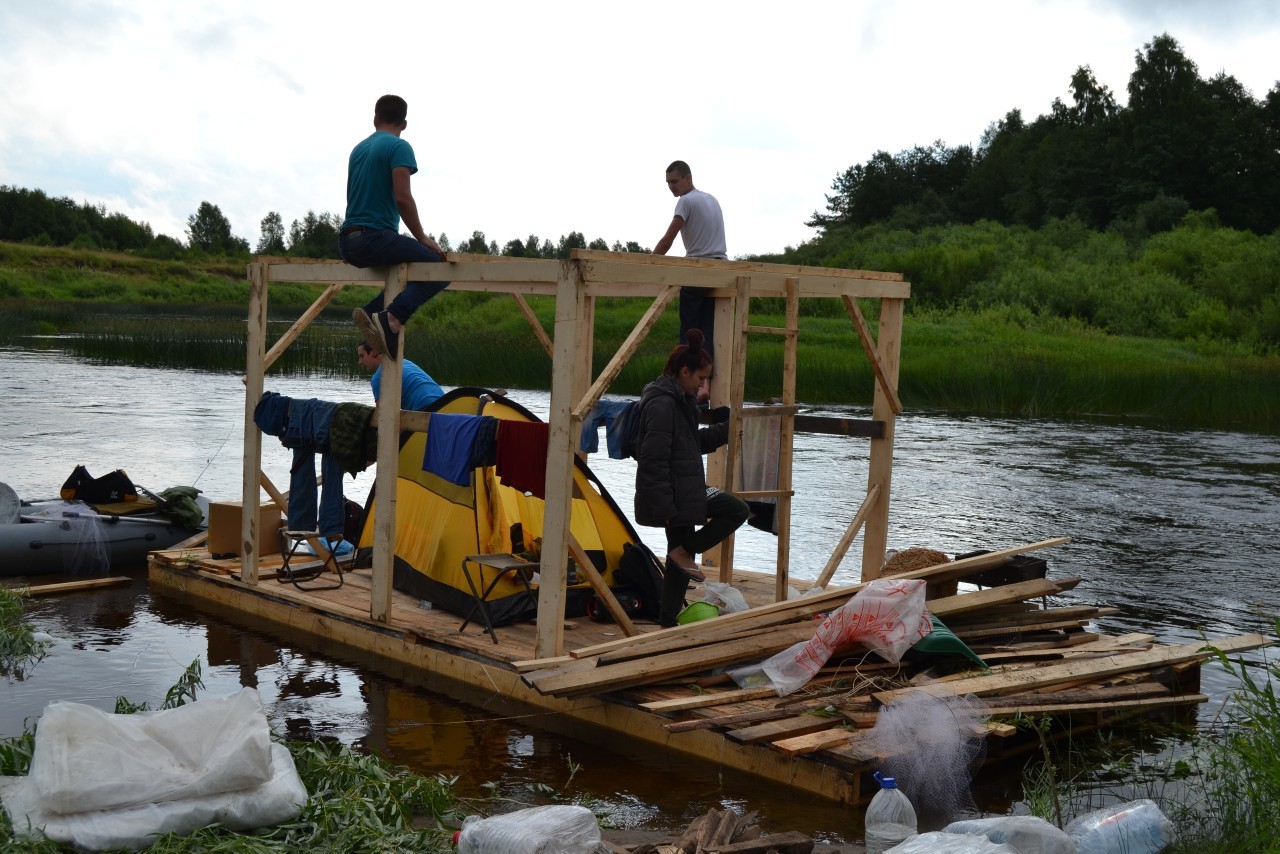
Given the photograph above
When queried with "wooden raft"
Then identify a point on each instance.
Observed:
(658, 686)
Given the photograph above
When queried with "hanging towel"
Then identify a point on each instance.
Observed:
(758, 467)
(522, 456)
(451, 440)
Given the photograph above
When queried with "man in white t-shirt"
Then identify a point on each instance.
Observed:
(700, 224)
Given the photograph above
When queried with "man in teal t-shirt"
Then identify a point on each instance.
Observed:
(378, 198)
(417, 389)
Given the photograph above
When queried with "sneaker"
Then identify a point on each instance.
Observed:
(370, 331)
(392, 339)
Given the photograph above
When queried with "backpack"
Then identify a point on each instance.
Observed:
(638, 569)
(628, 424)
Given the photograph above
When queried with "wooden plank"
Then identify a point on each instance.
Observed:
(1100, 707)
(778, 613)
(73, 586)
(861, 428)
(883, 382)
(661, 667)
(751, 716)
(251, 461)
(535, 324)
(713, 698)
(815, 741)
(875, 533)
(846, 539)
(782, 729)
(385, 486)
(981, 601)
(1040, 677)
(601, 588)
(625, 352)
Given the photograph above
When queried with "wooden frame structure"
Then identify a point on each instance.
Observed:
(575, 284)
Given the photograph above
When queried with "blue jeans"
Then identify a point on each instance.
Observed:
(383, 248)
(302, 495)
(604, 412)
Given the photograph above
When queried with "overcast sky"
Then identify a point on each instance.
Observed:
(552, 117)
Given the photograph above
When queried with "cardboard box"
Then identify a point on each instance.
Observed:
(224, 528)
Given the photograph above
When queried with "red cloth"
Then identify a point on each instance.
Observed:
(522, 455)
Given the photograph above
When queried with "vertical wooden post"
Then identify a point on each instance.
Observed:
(875, 537)
(255, 349)
(385, 482)
(727, 469)
(791, 345)
(567, 386)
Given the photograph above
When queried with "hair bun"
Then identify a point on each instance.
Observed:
(694, 338)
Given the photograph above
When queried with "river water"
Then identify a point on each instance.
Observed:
(1175, 529)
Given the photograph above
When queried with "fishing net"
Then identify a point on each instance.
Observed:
(87, 552)
(79, 536)
(930, 744)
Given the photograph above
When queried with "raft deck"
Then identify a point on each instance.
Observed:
(658, 687)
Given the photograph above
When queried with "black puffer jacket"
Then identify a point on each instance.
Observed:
(671, 487)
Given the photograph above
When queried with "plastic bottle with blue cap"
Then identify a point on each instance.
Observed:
(890, 817)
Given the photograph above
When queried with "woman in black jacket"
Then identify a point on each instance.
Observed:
(671, 487)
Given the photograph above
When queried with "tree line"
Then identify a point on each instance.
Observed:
(1182, 143)
(31, 216)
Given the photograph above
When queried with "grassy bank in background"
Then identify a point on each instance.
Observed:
(996, 361)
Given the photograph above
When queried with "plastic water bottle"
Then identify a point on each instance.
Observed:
(890, 818)
(553, 829)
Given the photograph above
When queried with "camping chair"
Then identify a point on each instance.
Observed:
(291, 541)
(502, 563)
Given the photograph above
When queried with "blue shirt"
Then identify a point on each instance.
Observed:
(371, 198)
(417, 389)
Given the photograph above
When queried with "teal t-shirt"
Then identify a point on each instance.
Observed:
(371, 200)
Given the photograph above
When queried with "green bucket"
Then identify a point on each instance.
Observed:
(697, 611)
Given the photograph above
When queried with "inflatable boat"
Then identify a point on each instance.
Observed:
(73, 537)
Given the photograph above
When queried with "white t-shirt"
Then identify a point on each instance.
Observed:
(703, 232)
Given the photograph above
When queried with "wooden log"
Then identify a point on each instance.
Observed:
(74, 586)
(790, 842)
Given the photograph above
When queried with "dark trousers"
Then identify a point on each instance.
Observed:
(698, 311)
(725, 514)
(374, 248)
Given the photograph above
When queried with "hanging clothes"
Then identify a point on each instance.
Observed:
(304, 426)
(522, 456)
(759, 467)
(604, 412)
(451, 446)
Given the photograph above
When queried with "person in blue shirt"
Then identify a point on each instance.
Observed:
(378, 198)
(417, 389)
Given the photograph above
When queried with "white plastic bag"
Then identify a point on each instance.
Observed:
(937, 842)
(725, 597)
(554, 829)
(1026, 834)
(85, 759)
(887, 616)
(1136, 827)
(278, 800)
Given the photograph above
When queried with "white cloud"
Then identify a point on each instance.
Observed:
(549, 118)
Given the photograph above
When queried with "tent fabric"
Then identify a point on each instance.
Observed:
(439, 523)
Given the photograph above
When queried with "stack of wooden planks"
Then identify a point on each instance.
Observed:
(1042, 659)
